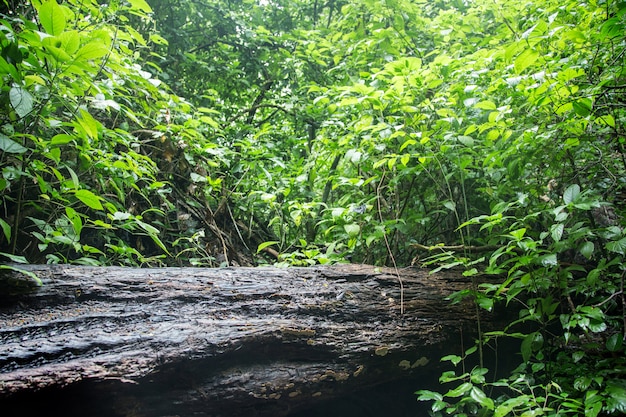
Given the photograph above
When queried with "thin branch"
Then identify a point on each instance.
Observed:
(457, 248)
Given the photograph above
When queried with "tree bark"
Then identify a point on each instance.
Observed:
(211, 342)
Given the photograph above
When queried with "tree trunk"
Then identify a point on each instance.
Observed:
(212, 342)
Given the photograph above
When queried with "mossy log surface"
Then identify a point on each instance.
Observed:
(212, 342)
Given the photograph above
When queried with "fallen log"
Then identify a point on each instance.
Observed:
(212, 342)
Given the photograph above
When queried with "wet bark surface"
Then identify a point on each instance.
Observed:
(220, 342)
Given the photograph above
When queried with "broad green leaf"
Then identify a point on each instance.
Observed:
(617, 399)
(120, 216)
(408, 142)
(352, 229)
(548, 260)
(74, 177)
(606, 120)
(485, 303)
(460, 390)
(582, 383)
(10, 146)
(455, 359)
(481, 398)
(426, 395)
(52, 18)
(15, 258)
(527, 347)
(617, 246)
(29, 274)
(485, 105)
(89, 124)
(70, 41)
(61, 139)
(582, 106)
(450, 205)
(21, 100)
(153, 233)
(266, 244)
(54, 48)
(6, 230)
(140, 5)
(571, 193)
(92, 50)
(7, 68)
(525, 60)
(509, 405)
(556, 231)
(518, 234)
(89, 199)
(77, 223)
(586, 249)
(614, 342)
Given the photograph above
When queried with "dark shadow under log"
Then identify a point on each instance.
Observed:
(221, 342)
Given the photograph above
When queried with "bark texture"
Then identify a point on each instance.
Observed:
(219, 342)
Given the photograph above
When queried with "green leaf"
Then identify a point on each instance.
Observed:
(582, 383)
(52, 18)
(617, 247)
(481, 398)
(29, 274)
(352, 229)
(485, 303)
(15, 258)
(556, 231)
(460, 390)
(450, 205)
(140, 5)
(61, 139)
(7, 68)
(21, 100)
(486, 105)
(582, 106)
(614, 342)
(6, 229)
(617, 400)
(266, 244)
(586, 249)
(455, 359)
(426, 395)
(606, 120)
(571, 193)
(526, 347)
(10, 146)
(153, 233)
(525, 59)
(89, 199)
(506, 407)
(518, 234)
(89, 124)
(92, 50)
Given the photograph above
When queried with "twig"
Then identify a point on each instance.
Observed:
(457, 248)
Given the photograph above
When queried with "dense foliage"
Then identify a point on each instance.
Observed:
(485, 135)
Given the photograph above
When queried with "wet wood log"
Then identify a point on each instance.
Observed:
(211, 342)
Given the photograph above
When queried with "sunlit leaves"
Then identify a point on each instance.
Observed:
(89, 199)
(52, 17)
(527, 58)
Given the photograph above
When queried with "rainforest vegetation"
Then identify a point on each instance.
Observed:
(482, 135)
